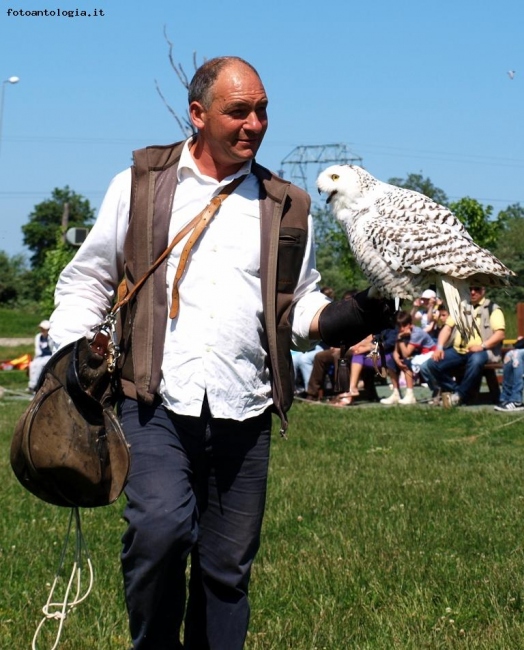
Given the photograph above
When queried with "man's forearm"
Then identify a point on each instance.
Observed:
(352, 320)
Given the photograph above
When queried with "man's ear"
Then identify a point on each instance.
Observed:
(197, 114)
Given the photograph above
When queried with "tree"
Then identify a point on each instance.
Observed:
(13, 279)
(510, 250)
(45, 222)
(55, 259)
(183, 121)
(512, 212)
(335, 261)
(484, 230)
(418, 183)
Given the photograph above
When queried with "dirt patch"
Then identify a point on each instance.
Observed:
(14, 342)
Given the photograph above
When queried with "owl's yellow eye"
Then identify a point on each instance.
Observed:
(335, 177)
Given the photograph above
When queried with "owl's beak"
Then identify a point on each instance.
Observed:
(328, 200)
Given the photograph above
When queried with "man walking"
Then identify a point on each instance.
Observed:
(204, 353)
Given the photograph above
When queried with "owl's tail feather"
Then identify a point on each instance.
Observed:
(373, 292)
(456, 293)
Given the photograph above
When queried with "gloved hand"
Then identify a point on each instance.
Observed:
(353, 319)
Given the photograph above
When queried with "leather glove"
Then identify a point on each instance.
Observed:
(349, 321)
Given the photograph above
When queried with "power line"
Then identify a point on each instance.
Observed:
(298, 160)
(385, 150)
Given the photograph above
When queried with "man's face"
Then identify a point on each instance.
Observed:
(476, 294)
(232, 128)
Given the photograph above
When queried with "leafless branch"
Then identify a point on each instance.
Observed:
(184, 123)
(177, 67)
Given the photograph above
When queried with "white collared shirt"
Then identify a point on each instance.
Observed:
(215, 346)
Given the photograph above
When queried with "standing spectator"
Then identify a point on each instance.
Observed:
(471, 355)
(42, 354)
(512, 380)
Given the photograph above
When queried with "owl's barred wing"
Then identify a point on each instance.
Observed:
(412, 207)
(410, 248)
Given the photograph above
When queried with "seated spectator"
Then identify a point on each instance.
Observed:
(303, 365)
(423, 308)
(360, 359)
(512, 380)
(440, 318)
(472, 355)
(329, 292)
(322, 363)
(413, 347)
(42, 354)
(303, 361)
(324, 360)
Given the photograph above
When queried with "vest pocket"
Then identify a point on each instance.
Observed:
(291, 246)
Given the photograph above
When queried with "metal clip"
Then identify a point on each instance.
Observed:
(108, 327)
(378, 357)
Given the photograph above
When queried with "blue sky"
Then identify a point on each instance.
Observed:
(416, 87)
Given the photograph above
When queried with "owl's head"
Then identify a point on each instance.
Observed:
(344, 185)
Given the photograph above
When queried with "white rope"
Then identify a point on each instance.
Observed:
(59, 611)
(9, 393)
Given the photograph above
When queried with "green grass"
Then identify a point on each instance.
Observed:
(16, 323)
(385, 529)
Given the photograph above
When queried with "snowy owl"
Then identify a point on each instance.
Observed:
(404, 242)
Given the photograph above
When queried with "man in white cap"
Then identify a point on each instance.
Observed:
(423, 307)
(42, 354)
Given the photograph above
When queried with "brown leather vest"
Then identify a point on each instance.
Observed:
(284, 210)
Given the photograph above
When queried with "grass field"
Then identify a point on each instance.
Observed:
(19, 322)
(385, 529)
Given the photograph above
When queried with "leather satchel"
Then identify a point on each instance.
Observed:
(68, 447)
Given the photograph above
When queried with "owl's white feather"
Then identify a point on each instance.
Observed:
(404, 242)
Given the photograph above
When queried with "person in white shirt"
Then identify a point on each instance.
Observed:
(41, 357)
(204, 360)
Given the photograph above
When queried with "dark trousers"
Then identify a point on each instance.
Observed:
(321, 364)
(197, 487)
(442, 371)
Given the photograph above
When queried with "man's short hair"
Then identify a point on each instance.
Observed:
(202, 82)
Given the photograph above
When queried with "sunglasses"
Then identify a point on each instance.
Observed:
(477, 289)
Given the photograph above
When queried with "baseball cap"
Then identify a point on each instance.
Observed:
(45, 325)
(428, 293)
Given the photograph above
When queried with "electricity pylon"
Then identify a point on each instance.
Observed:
(296, 166)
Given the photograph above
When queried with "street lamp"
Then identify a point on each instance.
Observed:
(11, 80)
